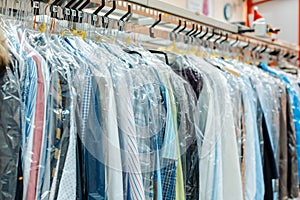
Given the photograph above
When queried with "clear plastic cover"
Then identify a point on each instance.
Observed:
(107, 120)
(10, 129)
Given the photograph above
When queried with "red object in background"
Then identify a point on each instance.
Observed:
(205, 8)
(249, 7)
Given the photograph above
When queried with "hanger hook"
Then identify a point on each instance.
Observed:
(236, 41)
(225, 39)
(184, 27)
(206, 32)
(105, 19)
(99, 8)
(151, 29)
(189, 32)
(195, 31)
(216, 40)
(177, 27)
(212, 35)
(54, 9)
(112, 9)
(200, 31)
(246, 46)
(121, 20)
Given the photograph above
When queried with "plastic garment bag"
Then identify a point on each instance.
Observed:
(10, 133)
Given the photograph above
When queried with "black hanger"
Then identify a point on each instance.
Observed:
(254, 48)
(225, 39)
(206, 32)
(212, 35)
(287, 55)
(151, 29)
(99, 8)
(292, 56)
(132, 52)
(105, 19)
(235, 42)
(216, 40)
(195, 31)
(70, 3)
(95, 13)
(275, 52)
(121, 20)
(54, 9)
(163, 53)
(84, 5)
(184, 27)
(189, 32)
(247, 45)
(177, 27)
(68, 13)
(36, 6)
(201, 28)
(266, 47)
(172, 33)
(78, 7)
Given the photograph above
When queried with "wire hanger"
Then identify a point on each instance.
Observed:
(235, 42)
(83, 6)
(36, 7)
(173, 34)
(54, 8)
(195, 31)
(212, 35)
(95, 13)
(200, 31)
(177, 27)
(225, 39)
(206, 32)
(68, 13)
(151, 29)
(247, 45)
(184, 27)
(75, 11)
(266, 47)
(216, 40)
(189, 32)
(162, 53)
(121, 20)
(105, 19)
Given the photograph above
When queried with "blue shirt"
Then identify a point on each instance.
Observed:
(296, 106)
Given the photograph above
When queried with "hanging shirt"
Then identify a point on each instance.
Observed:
(295, 103)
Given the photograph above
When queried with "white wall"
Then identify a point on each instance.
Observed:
(284, 15)
(218, 8)
(279, 13)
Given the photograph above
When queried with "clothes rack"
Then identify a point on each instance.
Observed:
(126, 100)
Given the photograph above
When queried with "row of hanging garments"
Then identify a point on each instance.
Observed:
(86, 119)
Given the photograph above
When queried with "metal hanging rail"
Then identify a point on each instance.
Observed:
(170, 16)
(182, 13)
